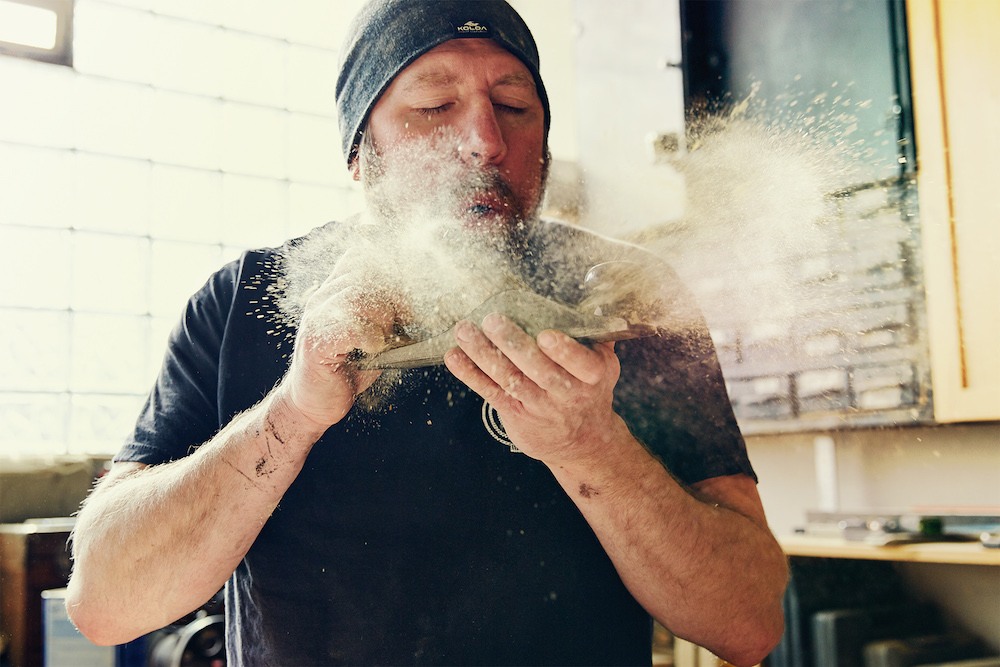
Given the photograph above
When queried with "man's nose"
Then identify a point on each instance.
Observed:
(484, 141)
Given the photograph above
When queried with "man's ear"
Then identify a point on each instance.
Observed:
(355, 168)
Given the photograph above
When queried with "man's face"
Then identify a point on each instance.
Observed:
(476, 106)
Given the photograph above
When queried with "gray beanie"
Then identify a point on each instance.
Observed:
(388, 35)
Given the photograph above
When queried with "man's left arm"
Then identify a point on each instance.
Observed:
(704, 564)
(702, 561)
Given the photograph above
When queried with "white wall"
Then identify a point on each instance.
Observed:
(555, 28)
(886, 469)
(185, 132)
(628, 90)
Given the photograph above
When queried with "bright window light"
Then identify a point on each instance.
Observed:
(37, 29)
(27, 25)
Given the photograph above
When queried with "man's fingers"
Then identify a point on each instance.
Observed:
(466, 370)
(498, 360)
(522, 366)
(554, 361)
(586, 364)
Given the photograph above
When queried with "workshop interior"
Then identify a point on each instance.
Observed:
(817, 172)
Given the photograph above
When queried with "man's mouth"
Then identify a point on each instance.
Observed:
(486, 207)
(480, 210)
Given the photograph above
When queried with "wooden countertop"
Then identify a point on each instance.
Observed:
(959, 553)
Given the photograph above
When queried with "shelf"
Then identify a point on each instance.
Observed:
(957, 553)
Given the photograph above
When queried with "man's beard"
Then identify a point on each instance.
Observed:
(425, 178)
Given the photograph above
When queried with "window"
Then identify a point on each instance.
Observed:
(37, 29)
(847, 346)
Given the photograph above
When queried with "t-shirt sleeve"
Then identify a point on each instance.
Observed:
(181, 411)
(673, 397)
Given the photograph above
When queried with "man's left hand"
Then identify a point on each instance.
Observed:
(552, 393)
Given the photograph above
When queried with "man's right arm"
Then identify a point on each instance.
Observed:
(152, 543)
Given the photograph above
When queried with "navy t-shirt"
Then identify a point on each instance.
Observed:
(413, 534)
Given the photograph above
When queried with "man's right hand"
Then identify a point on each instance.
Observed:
(349, 313)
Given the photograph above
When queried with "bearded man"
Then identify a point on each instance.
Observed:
(532, 498)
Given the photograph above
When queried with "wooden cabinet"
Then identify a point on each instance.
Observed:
(955, 69)
(33, 558)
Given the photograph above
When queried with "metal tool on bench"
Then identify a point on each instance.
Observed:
(611, 310)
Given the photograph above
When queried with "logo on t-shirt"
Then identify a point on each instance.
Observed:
(491, 420)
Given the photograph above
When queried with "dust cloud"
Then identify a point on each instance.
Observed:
(437, 239)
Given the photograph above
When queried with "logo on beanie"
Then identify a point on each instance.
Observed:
(472, 29)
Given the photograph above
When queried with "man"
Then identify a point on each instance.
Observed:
(399, 531)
